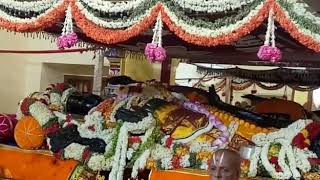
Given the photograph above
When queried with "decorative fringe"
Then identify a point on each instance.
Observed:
(291, 77)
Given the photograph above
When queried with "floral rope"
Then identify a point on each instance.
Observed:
(138, 15)
(211, 6)
(291, 15)
(213, 122)
(110, 36)
(243, 30)
(34, 6)
(45, 20)
(289, 25)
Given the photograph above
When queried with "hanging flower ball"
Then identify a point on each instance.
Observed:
(67, 40)
(275, 54)
(72, 39)
(265, 52)
(160, 54)
(68, 37)
(62, 42)
(149, 51)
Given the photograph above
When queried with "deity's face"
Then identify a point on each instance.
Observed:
(225, 165)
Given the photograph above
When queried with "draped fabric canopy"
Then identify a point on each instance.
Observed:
(292, 77)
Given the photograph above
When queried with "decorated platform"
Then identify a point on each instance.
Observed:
(150, 126)
(17, 163)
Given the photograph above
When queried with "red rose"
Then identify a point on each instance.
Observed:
(176, 162)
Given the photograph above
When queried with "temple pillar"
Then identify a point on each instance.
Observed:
(228, 90)
(166, 71)
(98, 73)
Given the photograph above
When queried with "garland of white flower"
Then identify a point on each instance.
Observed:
(65, 95)
(14, 19)
(165, 154)
(120, 155)
(141, 161)
(300, 9)
(211, 32)
(55, 99)
(254, 160)
(74, 151)
(314, 35)
(292, 161)
(157, 32)
(26, 6)
(97, 162)
(273, 36)
(115, 109)
(212, 6)
(68, 24)
(112, 24)
(284, 137)
(41, 113)
(166, 163)
(302, 161)
(114, 7)
(119, 159)
(160, 152)
(96, 120)
(269, 27)
(286, 174)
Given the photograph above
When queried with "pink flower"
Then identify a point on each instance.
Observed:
(155, 53)
(265, 52)
(275, 54)
(168, 142)
(67, 41)
(149, 52)
(160, 54)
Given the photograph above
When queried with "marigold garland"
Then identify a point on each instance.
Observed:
(221, 39)
(113, 36)
(41, 23)
(110, 36)
(289, 26)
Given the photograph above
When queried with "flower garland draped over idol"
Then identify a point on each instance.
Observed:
(135, 17)
(126, 143)
(126, 132)
(289, 153)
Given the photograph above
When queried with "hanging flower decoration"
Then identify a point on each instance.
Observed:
(46, 19)
(68, 38)
(294, 17)
(269, 51)
(154, 50)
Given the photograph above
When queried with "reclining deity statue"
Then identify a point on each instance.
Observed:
(155, 126)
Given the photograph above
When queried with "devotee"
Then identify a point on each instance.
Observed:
(225, 165)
